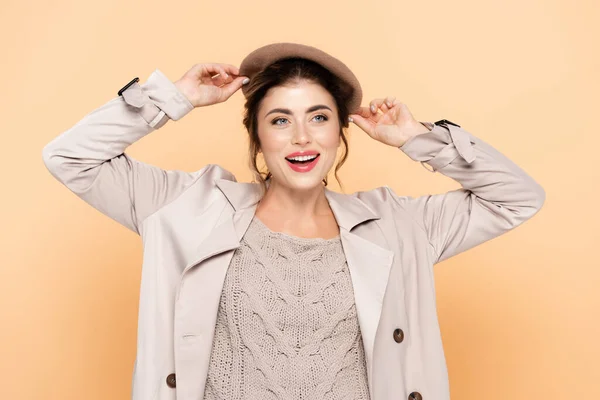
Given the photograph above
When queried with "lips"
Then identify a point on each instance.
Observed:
(305, 166)
(302, 153)
(289, 158)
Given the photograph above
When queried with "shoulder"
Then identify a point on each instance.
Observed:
(399, 210)
(202, 182)
(212, 172)
(382, 196)
(385, 202)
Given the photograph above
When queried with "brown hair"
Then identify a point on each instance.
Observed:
(282, 72)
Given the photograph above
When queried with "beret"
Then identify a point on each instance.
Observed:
(264, 56)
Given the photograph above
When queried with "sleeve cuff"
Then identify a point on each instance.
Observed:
(440, 146)
(158, 97)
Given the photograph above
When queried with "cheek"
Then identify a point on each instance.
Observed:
(330, 140)
(269, 140)
(273, 143)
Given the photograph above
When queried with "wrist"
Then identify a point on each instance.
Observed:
(179, 85)
(421, 128)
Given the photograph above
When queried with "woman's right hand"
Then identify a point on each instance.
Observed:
(203, 87)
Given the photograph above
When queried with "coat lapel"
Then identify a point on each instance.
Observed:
(368, 262)
(369, 266)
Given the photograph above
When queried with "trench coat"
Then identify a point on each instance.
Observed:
(191, 223)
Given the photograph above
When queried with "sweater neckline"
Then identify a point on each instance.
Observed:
(292, 237)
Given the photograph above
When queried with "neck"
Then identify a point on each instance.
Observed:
(294, 204)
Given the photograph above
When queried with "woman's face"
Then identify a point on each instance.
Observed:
(298, 118)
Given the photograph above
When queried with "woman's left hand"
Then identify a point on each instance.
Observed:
(393, 127)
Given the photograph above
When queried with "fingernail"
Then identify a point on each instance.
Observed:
(350, 119)
(388, 103)
(245, 81)
(373, 108)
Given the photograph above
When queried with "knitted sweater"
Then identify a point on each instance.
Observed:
(286, 325)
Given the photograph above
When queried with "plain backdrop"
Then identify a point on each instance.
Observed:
(519, 314)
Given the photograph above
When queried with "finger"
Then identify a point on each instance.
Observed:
(383, 103)
(363, 124)
(227, 77)
(375, 104)
(366, 112)
(211, 68)
(222, 77)
(226, 72)
(218, 80)
(388, 103)
(231, 69)
(231, 88)
(222, 72)
(216, 69)
(363, 112)
(208, 72)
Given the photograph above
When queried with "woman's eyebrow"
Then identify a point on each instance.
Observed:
(288, 112)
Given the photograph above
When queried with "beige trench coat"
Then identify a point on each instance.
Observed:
(191, 223)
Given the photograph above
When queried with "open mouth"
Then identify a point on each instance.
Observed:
(303, 164)
(304, 160)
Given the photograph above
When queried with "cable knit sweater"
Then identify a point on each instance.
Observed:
(286, 325)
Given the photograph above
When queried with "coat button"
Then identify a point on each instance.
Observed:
(171, 380)
(415, 396)
(398, 335)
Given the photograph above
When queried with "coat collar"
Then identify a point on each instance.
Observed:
(348, 210)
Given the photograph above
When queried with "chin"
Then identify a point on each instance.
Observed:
(304, 182)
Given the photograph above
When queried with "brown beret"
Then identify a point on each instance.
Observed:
(262, 57)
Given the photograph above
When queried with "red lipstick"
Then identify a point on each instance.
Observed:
(305, 166)
(303, 153)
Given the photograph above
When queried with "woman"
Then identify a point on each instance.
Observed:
(282, 288)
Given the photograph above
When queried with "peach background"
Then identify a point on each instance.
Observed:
(519, 314)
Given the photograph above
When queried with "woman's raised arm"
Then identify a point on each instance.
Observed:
(89, 158)
(496, 194)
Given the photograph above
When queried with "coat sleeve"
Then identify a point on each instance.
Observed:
(496, 194)
(90, 160)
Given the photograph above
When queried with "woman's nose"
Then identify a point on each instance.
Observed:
(301, 136)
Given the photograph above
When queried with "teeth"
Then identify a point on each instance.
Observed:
(303, 158)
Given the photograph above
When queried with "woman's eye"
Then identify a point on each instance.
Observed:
(274, 122)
